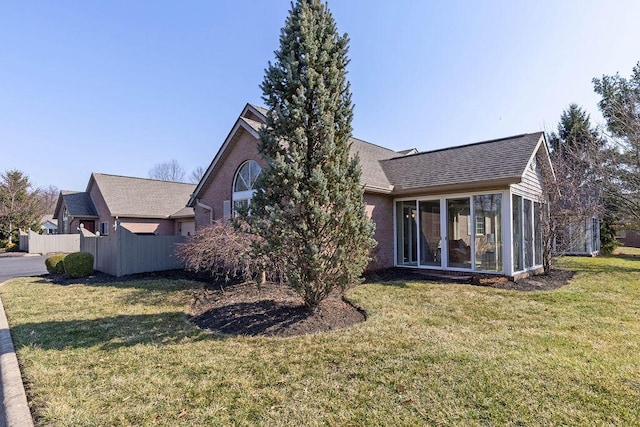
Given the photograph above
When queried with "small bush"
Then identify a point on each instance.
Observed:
(12, 247)
(78, 264)
(55, 263)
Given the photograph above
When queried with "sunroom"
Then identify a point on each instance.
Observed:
(484, 232)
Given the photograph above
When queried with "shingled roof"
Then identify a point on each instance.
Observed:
(489, 163)
(142, 198)
(78, 204)
(500, 160)
(371, 155)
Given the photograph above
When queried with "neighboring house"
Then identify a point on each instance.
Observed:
(629, 238)
(472, 208)
(143, 206)
(48, 225)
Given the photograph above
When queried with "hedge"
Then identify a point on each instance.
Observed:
(78, 264)
(55, 263)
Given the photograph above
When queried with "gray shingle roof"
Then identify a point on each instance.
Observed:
(262, 110)
(79, 204)
(139, 197)
(495, 160)
(370, 157)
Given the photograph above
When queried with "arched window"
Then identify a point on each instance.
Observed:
(243, 184)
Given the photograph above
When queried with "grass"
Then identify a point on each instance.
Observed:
(430, 353)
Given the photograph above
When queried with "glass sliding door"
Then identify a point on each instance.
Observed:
(407, 233)
(518, 261)
(487, 210)
(430, 243)
(459, 232)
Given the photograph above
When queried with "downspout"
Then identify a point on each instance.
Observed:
(207, 207)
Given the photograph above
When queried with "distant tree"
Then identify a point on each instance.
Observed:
(197, 174)
(20, 205)
(308, 210)
(620, 106)
(49, 198)
(168, 171)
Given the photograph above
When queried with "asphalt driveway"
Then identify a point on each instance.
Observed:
(21, 266)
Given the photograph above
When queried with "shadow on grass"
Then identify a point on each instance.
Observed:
(257, 318)
(109, 333)
(628, 257)
(151, 282)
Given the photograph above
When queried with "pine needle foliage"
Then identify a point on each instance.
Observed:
(309, 207)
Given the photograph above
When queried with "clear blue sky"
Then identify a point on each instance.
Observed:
(118, 86)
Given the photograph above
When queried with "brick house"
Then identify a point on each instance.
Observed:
(143, 206)
(471, 208)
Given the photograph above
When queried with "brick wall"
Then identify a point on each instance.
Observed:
(244, 147)
(380, 209)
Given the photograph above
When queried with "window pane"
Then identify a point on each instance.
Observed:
(458, 228)
(518, 263)
(430, 242)
(407, 229)
(528, 233)
(246, 176)
(537, 212)
(488, 213)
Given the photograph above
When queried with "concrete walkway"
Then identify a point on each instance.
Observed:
(14, 410)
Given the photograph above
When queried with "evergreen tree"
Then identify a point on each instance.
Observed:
(308, 211)
(575, 134)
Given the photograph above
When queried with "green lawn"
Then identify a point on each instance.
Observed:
(430, 353)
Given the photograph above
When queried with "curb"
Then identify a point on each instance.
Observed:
(15, 410)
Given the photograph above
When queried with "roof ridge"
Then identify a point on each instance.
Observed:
(375, 145)
(146, 179)
(488, 141)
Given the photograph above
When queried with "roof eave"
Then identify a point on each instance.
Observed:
(466, 186)
(378, 190)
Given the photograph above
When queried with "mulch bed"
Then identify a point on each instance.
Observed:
(268, 310)
(233, 308)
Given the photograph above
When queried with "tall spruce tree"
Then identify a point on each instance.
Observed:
(308, 211)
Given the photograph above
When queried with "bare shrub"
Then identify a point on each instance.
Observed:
(224, 250)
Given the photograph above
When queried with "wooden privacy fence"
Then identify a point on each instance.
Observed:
(35, 243)
(124, 252)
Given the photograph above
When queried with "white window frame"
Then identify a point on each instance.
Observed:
(239, 196)
(104, 228)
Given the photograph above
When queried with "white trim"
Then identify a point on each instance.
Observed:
(507, 224)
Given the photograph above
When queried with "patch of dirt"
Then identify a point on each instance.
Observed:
(268, 310)
(554, 280)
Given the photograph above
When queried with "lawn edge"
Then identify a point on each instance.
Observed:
(14, 409)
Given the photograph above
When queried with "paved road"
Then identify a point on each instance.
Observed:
(22, 266)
